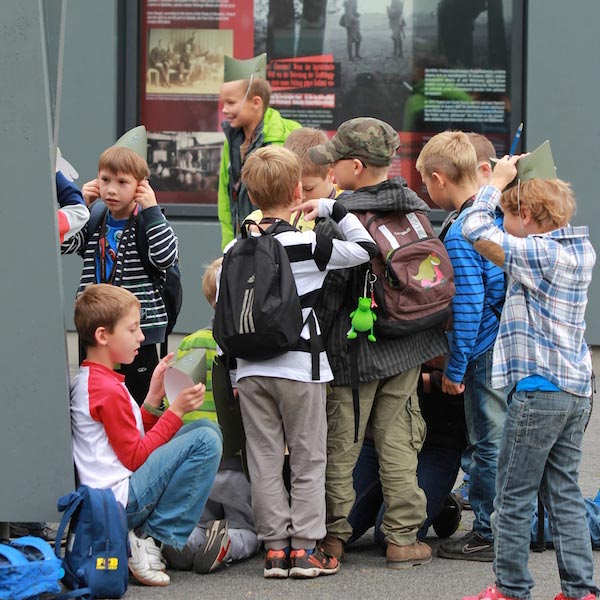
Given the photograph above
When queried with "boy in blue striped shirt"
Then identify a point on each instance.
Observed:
(448, 166)
(540, 350)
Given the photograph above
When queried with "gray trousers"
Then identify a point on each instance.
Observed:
(277, 411)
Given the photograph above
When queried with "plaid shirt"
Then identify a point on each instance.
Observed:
(542, 327)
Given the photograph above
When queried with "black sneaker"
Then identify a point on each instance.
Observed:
(277, 564)
(216, 548)
(304, 563)
(470, 547)
(448, 519)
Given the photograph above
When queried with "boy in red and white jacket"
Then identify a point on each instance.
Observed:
(159, 469)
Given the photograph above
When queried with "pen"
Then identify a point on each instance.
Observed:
(516, 140)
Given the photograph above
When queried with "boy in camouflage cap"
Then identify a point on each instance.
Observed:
(362, 151)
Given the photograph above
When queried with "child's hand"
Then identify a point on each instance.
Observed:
(156, 390)
(505, 171)
(144, 195)
(188, 400)
(449, 387)
(90, 191)
(310, 208)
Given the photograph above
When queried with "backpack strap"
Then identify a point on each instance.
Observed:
(353, 347)
(97, 215)
(69, 503)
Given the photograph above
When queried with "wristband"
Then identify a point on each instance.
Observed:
(153, 410)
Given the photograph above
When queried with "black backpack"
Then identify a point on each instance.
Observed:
(258, 314)
(167, 282)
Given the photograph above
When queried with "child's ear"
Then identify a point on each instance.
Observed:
(439, 179)
(257, 103)
(101, 336)
(329, 175)
(298, 193)
(486, 169)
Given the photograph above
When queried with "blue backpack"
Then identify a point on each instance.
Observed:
(97, 549)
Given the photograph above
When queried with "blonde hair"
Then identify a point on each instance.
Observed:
(270, 175)
(551, 201)
(300, 141)
(452, 154)
(484, 149)
(118, 159)
(101, 305)
(209, 281)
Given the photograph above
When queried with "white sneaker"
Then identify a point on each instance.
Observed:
(146, 563)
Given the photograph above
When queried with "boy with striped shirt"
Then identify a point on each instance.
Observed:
(280, 402)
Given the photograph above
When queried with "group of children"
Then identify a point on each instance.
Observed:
(317, 411)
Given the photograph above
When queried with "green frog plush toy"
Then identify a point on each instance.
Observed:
(362, 320)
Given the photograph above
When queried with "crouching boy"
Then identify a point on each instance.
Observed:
(282, 399)
(160, 471)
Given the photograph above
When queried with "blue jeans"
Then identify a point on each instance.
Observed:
(168, 492)
(485, 412)
(541, 450)
(436, 474)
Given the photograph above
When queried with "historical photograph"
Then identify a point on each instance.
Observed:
(187, 61)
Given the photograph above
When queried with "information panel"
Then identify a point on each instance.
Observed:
(421, 65)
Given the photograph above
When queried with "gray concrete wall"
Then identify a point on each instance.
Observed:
(35, 447)
(561, 104)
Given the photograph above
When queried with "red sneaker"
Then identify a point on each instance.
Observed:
(490, 593)
(561, 596)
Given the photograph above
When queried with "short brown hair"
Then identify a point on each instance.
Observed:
(270, 174)
(299, 142)
(484, 149)
(451, 154)
(101, 305)
(260, 88)
(209, 280)
(118, 159)
(551, 201)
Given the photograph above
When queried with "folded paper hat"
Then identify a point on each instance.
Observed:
(185, 372)
(135, 139)
(538, 164)
(235, 69)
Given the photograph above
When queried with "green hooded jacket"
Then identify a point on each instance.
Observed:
(274, 129)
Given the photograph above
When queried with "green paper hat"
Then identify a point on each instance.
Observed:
(235, 69)
(538, 164)
(135, 139)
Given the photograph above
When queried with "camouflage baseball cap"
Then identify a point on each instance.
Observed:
(365, 138)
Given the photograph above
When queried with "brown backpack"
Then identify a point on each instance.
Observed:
(415, 280)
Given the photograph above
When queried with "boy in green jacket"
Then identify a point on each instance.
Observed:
(250, 124)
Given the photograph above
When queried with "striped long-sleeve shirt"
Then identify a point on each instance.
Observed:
(129, 270)
(477, 303)
(543, 321)
(311, 257)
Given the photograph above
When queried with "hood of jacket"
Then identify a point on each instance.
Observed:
(388, 196)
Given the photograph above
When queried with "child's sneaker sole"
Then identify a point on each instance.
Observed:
(216, 548)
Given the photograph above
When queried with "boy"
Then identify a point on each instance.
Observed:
(160, 471)
(448, 166)
(110, 254)
(317, 180)
(280, 401)
(540, 350)
(251, 123)
(362, 151)
(485, 151)
(226, 529)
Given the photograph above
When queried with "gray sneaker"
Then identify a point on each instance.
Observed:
(470, 547)
(216, 550)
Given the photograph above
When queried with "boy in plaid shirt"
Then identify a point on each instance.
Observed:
(541, 351)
